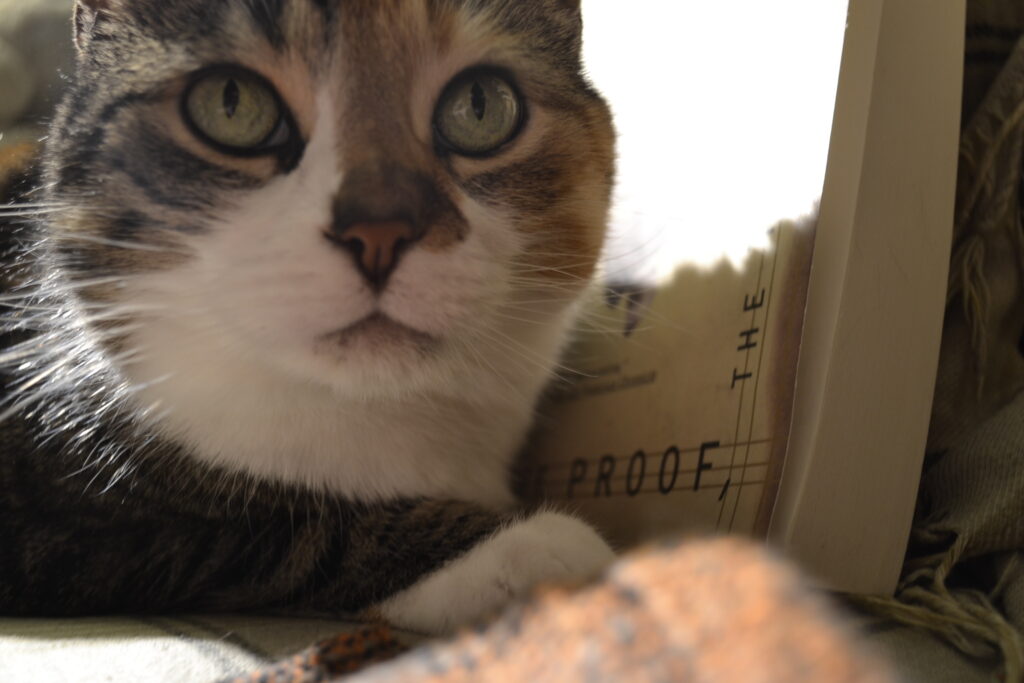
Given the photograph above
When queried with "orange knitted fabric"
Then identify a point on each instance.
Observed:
(710, 611)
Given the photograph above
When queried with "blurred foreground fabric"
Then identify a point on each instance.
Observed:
(710, 611)
(719, 611)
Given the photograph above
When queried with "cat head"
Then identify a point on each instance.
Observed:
(375, 196)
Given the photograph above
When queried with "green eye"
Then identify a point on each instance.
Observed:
(235, 110)
(478, 113)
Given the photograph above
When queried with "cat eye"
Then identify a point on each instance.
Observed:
(236, 111)
(478, 112)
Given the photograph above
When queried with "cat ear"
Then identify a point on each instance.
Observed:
(87, 14)
(575, 11)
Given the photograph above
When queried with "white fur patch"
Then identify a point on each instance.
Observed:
(548, 547)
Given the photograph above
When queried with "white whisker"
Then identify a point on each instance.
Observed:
(117, 244)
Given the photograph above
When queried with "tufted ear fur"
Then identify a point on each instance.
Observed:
(575, 9)
(88, 13)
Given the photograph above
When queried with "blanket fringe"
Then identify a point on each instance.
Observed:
(966, 619)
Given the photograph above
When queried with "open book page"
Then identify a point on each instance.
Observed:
(672, 412)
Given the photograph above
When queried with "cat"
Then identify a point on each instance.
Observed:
(285, 284)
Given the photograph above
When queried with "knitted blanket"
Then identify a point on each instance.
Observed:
(709, 611)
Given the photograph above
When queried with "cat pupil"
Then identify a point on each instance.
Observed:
(479, 101)
(231, 98)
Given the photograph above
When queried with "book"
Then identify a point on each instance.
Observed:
(785, 397)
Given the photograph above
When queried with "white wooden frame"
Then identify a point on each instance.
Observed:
(876, 296)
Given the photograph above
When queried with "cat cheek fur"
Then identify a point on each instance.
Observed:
(506, 566)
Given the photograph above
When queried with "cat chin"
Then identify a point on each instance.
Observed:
(375, 426)
(376, 337)
(371, 367)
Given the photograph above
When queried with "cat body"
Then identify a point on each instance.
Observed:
(295, 274)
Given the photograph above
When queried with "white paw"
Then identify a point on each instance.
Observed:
(548, 547)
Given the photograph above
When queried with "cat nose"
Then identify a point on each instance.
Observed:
(376, 246)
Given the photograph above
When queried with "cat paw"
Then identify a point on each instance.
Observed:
(547, 547)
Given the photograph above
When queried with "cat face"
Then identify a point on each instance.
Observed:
(379, 197)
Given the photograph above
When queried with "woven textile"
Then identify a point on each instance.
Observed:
(964, 577)
(713, 611)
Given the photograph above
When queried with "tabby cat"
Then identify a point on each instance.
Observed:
(287, 281)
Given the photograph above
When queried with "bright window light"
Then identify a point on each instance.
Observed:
(724, 111)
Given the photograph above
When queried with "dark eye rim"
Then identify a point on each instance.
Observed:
(444, 146)
(284, 117)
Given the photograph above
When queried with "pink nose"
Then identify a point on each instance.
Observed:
(377, 246)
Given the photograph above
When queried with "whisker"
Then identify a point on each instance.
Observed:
(72, 285)
(22, 213)
(524, 352)
(115, 244)
(479, 356)
(30, 205)
(17, 354)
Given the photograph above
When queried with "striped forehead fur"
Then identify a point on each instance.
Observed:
(134, 51)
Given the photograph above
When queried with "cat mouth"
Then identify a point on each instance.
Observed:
(380, 329)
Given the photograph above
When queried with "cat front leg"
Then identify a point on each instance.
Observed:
(430, 565)
(522, 553)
